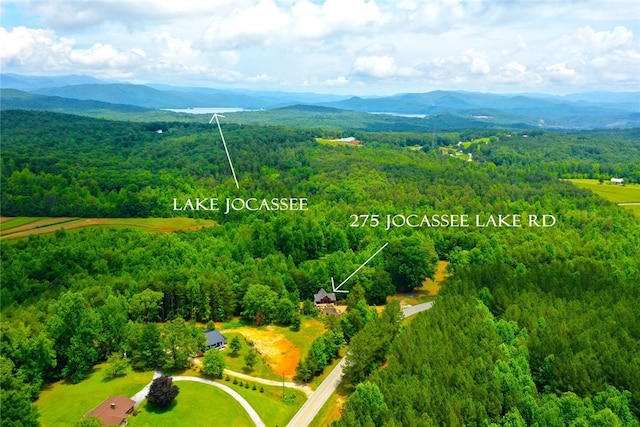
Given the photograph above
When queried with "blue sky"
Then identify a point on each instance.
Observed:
(363, 47)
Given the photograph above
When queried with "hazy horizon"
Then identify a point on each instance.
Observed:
(342, 47)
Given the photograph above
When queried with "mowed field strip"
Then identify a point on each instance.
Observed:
(627, 196)
(26, 226)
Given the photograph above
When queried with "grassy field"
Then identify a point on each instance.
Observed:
(26, 226)
(629, 193)
(332, 409)
(270, 405)
(62, 404)
(197, 405)
(468, 144)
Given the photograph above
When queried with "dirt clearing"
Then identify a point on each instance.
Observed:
(280, 354)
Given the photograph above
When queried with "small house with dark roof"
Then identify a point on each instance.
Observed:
(324, 298)
(215, 339)
(113, 411)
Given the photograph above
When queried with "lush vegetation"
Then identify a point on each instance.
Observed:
(529, 313)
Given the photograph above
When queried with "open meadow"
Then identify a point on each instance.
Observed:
(627, 196)
(27, 226)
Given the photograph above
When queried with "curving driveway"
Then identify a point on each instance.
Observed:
(140, 396)
(247, 407)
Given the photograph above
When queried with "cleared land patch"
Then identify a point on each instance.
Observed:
(279, 347)
(280, 354)
(620, 194)
(25, 226)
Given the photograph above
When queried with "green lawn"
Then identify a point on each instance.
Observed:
(197, 405)
(18, 221)
(468, 144)
(272, 408)
(62, 404)
(616, 193)
(260, 370)
(73, 224)
(629, 193)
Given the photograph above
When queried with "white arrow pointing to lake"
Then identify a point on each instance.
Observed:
(337, 288)
(215, 116)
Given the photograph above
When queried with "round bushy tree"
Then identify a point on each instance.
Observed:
(213, 363)
(162, 392)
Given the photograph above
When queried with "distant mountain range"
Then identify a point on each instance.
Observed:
(576, 111)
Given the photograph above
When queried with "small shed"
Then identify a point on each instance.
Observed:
(215, 339)
(114, 410)
(323, 298)
(617, 181)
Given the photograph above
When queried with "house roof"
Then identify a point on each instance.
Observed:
(113, 410)
(323, 294)
(214, 337)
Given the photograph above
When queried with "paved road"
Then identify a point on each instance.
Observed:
(247, 407)
(304, 388)
(310, 409)
(410, 310)
(140, 396)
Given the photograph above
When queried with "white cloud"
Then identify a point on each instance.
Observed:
(106, 56)
(402, 45)
(517, 73)
(598, 56)
(79, 14)
(334, 17)
(602, 41)
(338, 81)
(32, 47)
(256, 24)
(176, 49)
(560, 73)
(462, 67)
(376, 66)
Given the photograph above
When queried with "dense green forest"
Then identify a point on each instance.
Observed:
(536, 325)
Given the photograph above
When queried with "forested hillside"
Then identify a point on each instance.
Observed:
(536, 325)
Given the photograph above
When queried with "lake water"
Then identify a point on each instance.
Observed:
(206, 110)
(419, 116)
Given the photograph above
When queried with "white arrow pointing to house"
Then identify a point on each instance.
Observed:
(215, 116)
(337, 288)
